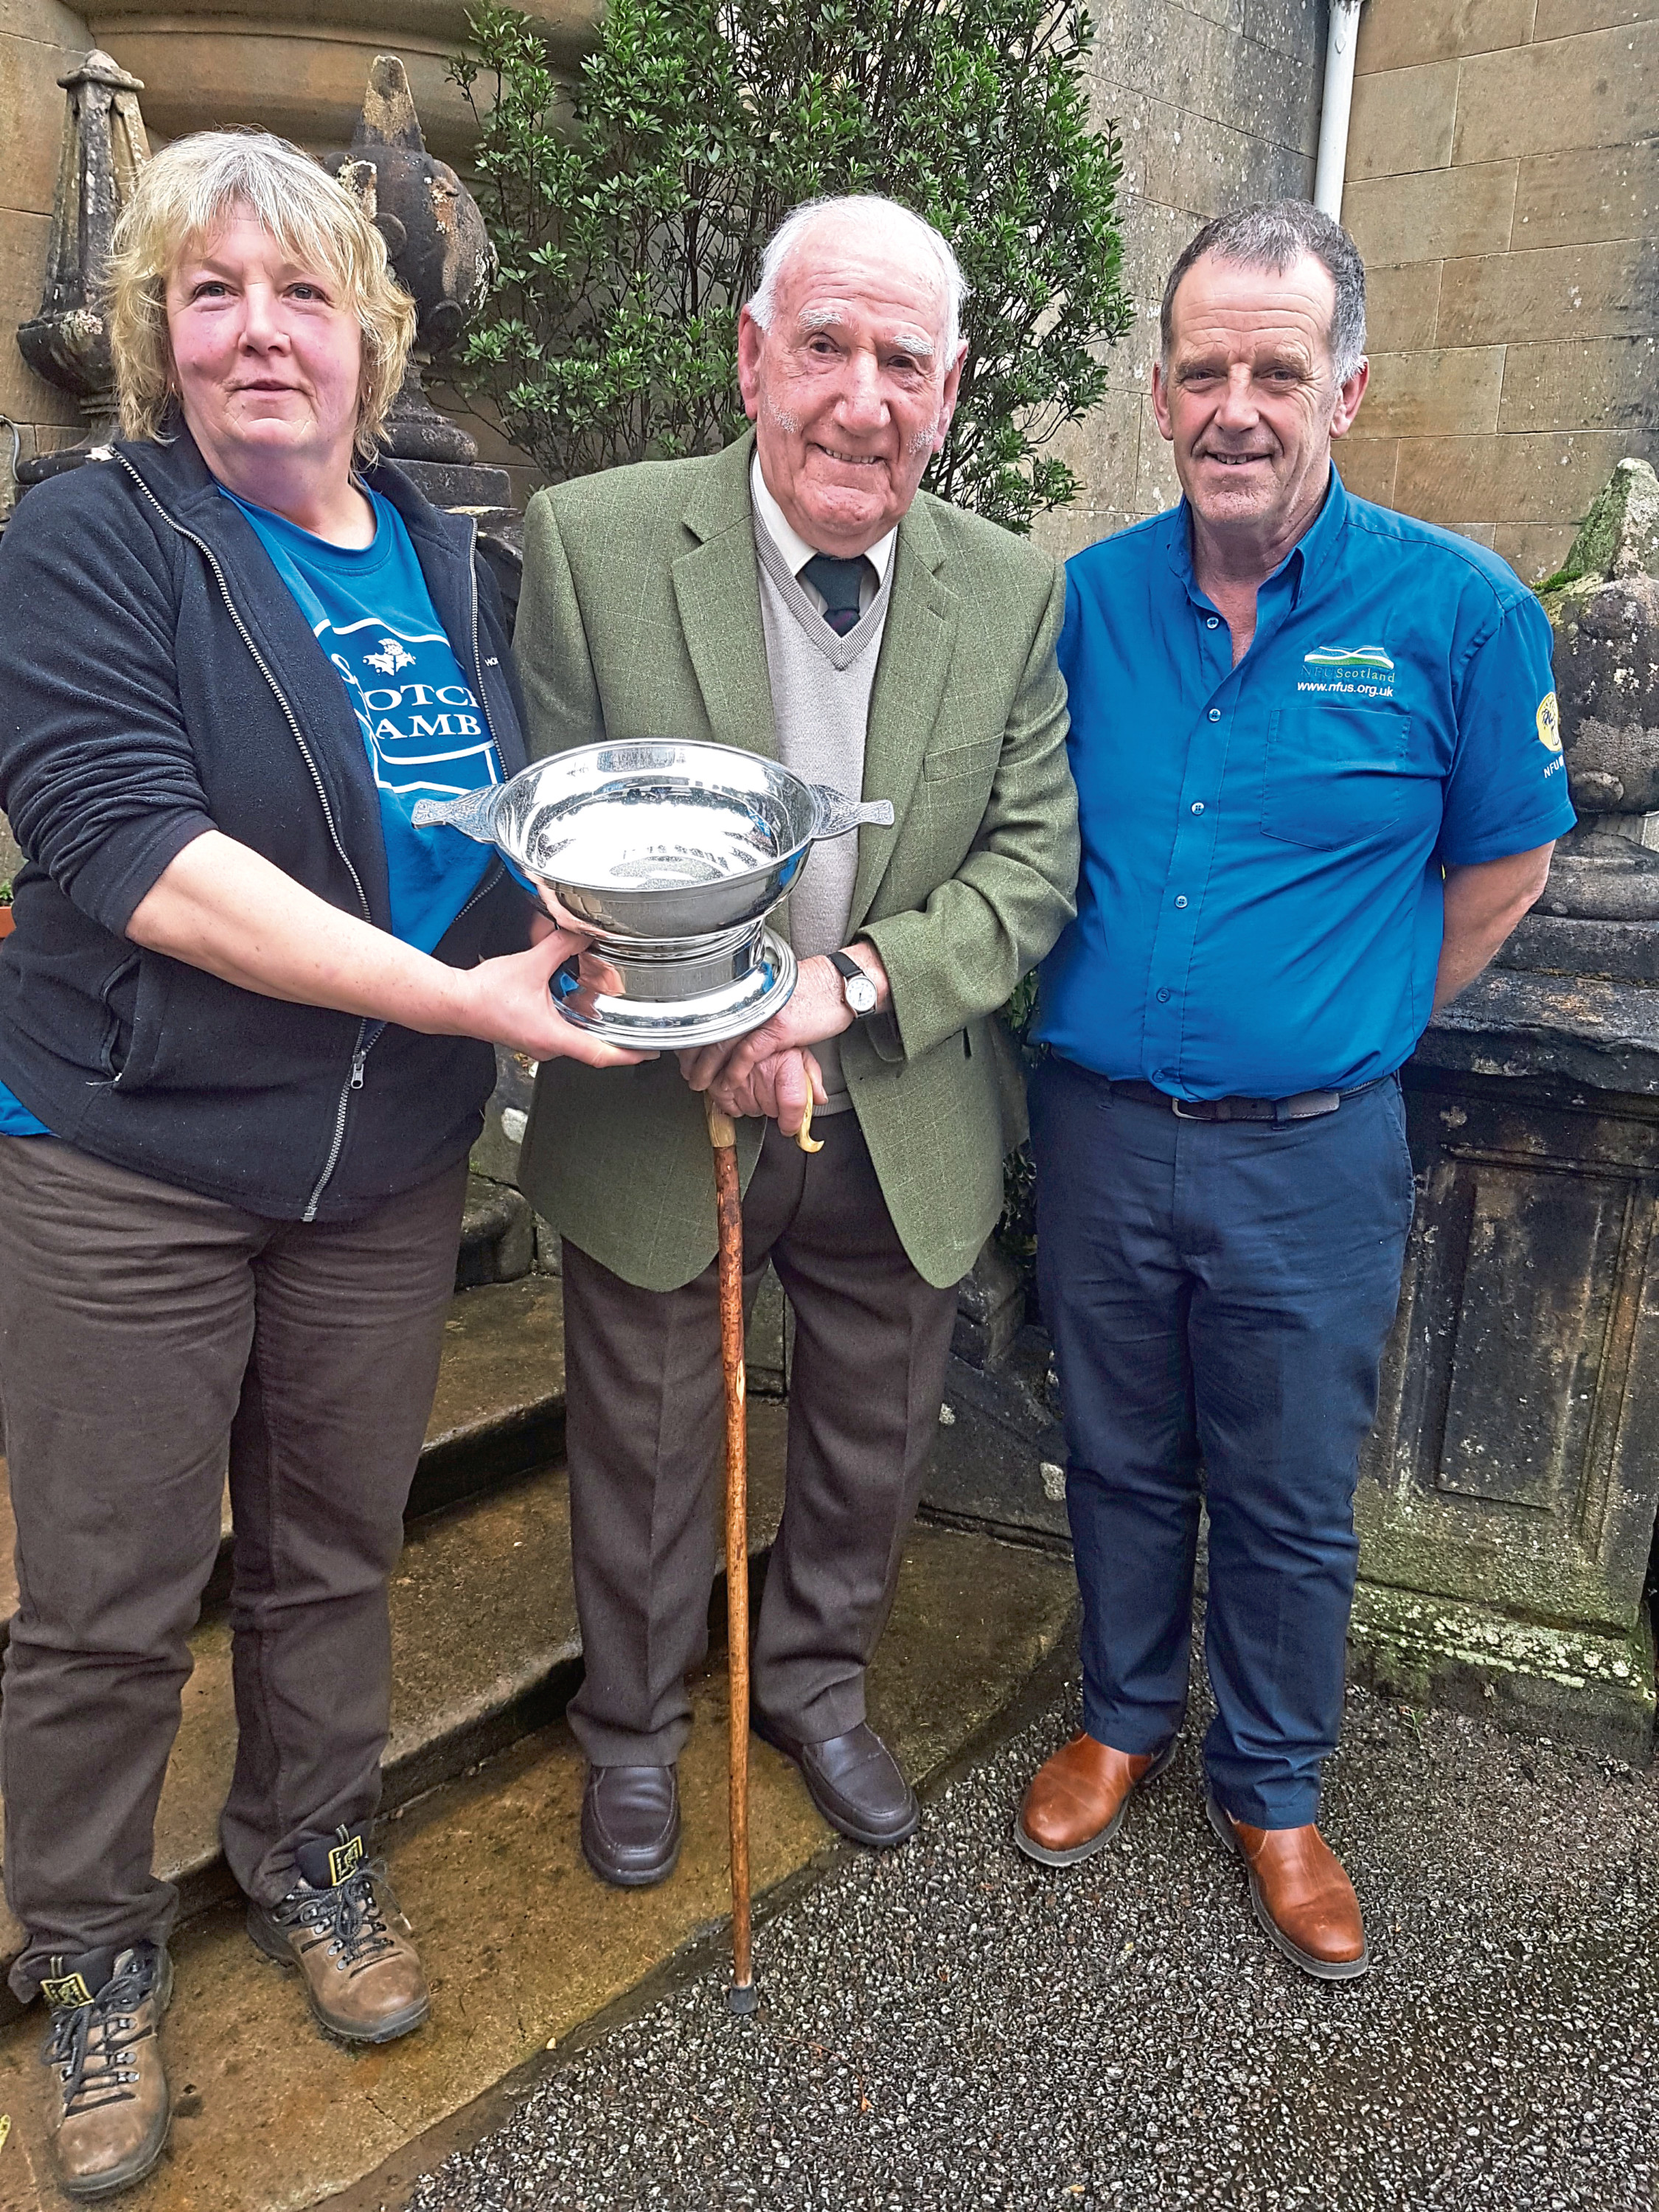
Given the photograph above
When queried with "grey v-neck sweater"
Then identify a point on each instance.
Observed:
(821, 686)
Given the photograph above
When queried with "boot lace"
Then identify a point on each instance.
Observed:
(347, 1918)
(90, 2044)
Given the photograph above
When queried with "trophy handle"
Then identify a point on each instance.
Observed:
(837, 815)
(473, 813)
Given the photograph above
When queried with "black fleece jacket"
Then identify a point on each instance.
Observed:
(156, 680)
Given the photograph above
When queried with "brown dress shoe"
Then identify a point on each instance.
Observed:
(1301, 1896)
(348, 1941)
(1077, 1799)
(110, 2109)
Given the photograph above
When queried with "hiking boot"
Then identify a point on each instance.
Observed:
(108, 2121)
(339, 1927)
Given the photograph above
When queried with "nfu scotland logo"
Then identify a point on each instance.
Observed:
(1354, 660)
(1361, 672)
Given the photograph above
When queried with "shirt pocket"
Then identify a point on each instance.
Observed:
(1334, 775)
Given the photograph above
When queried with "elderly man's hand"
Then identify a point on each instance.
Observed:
(817, 1009)
(777, 1086)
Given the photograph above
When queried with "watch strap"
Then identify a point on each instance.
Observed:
(851, 974)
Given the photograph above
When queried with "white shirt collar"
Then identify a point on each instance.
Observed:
(789, 542)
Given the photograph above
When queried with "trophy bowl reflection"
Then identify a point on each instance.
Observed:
(673, 854)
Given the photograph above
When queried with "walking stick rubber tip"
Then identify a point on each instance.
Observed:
(741, 1998)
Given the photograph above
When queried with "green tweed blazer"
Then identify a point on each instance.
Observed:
(640, 618)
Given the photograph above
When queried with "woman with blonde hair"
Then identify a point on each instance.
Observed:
(246, 1021)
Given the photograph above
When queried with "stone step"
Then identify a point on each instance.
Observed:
(521, 1944)
(484, 1646)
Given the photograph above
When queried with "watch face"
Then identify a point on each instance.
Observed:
(861, 996)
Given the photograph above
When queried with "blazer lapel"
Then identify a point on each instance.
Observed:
(717, 590)
(917, 646)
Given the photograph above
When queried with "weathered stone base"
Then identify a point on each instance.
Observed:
(1568, 1685)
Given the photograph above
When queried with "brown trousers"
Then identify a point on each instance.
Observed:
(645, 1440)
(148, 1337)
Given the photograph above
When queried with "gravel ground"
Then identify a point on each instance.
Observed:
(951, 2026)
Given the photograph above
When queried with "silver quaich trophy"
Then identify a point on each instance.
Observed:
(673, 854)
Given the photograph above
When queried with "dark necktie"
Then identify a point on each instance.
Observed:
(838, 581)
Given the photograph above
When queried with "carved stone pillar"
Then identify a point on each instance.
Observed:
(66, 342)
(1507, 1501)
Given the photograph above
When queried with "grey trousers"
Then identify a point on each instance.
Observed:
(148, 1338)
(645, 1441)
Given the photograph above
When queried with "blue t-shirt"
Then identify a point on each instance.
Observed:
(424, 731)
(1261, 901)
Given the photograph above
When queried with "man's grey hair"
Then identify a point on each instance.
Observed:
(1275, 235)
(901, 225)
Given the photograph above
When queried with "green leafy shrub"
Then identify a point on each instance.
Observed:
(630, 217)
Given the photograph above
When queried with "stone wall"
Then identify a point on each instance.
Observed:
(1217, 104)
(1502, 172)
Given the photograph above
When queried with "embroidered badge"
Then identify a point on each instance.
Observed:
(1358, 660)
(1549, 723)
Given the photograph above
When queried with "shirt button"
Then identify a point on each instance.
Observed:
(1163, 997)
(1181, 900)
(1212, 622)
(1198, 806)
(1215, 713)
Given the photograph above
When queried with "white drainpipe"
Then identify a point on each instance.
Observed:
(1332, 170)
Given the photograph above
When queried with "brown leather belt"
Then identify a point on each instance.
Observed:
(1306, 1106)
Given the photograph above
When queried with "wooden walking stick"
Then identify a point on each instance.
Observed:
(728, 1206)
(728, 1202)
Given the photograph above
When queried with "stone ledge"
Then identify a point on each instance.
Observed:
(1570, 1684)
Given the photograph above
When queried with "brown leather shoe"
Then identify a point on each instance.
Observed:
(108, 2123)
(349, 1942)
(1301, 1896)
(1077, 1800)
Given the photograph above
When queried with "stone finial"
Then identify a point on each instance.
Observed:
(66, 341)
(1604, 609)
(1619, 535)
(440, 252)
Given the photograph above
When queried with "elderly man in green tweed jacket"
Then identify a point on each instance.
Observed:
(796, 596)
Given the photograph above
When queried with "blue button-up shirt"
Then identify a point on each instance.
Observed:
(1261, 908)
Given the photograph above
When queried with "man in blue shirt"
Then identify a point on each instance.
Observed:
(1316, 755)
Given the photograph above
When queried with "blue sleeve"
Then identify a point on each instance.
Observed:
(1507, 791)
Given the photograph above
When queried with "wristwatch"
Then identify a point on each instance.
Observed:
(861, 992)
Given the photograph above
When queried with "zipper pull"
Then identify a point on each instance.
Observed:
(357, 1060)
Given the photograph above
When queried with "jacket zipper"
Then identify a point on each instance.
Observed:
(360, 1051)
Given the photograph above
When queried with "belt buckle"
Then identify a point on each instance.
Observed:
(1175, 1105)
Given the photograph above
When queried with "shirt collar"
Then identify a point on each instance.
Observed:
(1311, 552)
(789, 542)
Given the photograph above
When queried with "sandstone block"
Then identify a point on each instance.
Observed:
(1579, 197)
(1400, 305)
(1434, 394)
(1572, 292)
(1403, 33)
(1533, 549)
(1368, 466)
(1592, 88)
(1596, 384)
(1403, 120)
(1539, 477)
(1437, 214)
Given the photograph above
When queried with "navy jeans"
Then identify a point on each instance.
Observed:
(1220, 1295)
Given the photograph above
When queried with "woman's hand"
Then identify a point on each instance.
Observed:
(510, 1001)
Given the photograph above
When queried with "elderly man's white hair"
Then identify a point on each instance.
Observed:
(899, 225)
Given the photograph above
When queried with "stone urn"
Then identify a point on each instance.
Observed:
(441, 254)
